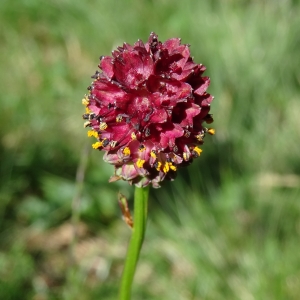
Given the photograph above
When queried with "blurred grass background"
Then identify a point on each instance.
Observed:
(227, 228)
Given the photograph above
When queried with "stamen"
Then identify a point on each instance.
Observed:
(133, 136)
(209, 119)
(97, 145)
(147, 132)
(126, 151)
(211, 131)
(187, 133)
(172, 167)
(142, 148)
(87, 124)
(200, 136)
(103, 126)
(166, 167)
(119, 118)
(89, 116)
(197, 150)
(152, 154)
(85, 100)
(158, 165)
(96, 75)
(185, 157)
(105, 115)
(140, 163)
(113, 144)
(93, 133)
(105, 142)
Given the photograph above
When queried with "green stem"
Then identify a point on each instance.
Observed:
(136, 241)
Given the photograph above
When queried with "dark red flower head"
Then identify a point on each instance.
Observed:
(146, 109)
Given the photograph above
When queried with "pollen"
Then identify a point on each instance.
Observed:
(119, 118)
(93, 133)
(103, 126)
(211, 131)
(97, 145)
(152, 154)
(199, 137)
(142, 148)
(133, 136)
(172, 167)
(85, 101)
(140, 163)
(166, 167)
(187, 134)
(87, 110)
(158, 166)
(197, 150)
(126, 151)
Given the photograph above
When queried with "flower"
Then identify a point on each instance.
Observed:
(146, 108)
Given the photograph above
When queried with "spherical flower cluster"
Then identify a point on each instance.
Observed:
(146, 108)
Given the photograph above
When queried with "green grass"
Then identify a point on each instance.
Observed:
(227, 228)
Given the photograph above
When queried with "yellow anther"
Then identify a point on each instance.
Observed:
(172, 167)
(187, 134)
(87, 110)
(140, 163)
(119, 118)
(85, 101)
(97, 145)
(211, 131)
(158, 166)
(86, 124)
(152, 154)
(166, 168)
(199, 137)
(126, 151)
(142, 148)
(103, 126)
(197, 150)
(133, 136)
(93, 133)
